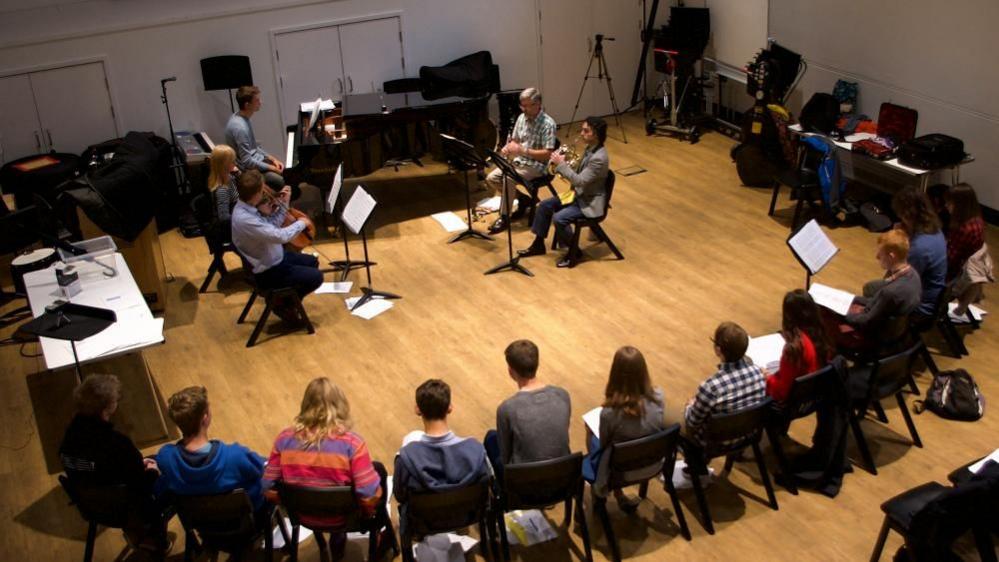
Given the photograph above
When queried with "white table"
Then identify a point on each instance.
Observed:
(135, 329)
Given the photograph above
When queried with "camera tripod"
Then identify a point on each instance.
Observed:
(602, 74)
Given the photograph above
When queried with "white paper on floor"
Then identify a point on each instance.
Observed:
(528, 527)
(303, 534)
(450, 221)
(682, 480)
(443, 547)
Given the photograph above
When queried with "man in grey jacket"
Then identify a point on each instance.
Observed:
(589, 197)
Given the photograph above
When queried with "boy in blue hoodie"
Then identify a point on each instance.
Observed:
(197, 465)
(436, 459)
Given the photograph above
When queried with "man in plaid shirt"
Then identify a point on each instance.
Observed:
(737, 384)
(530, 145)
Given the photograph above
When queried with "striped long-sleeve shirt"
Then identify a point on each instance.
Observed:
(340, 460)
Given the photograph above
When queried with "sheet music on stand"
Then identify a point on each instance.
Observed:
(334, 195)
(812, 248)
(358, 209)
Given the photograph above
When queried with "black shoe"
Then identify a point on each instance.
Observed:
(499, 226)
(534, 249)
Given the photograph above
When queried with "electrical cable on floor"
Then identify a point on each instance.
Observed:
(27, 440)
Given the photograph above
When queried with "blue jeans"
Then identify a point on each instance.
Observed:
(298, 271)
(563, 215)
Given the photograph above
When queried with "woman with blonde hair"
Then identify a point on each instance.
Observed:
(222, 173)
(320, 449)
(632, 409)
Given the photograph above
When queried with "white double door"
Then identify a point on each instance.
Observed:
(63, 109)
(335, 60)
(568, 30)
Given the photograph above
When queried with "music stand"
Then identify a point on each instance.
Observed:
(514, 262)
(465, 158)
(346, 265)
(355, 217)
(70, 322)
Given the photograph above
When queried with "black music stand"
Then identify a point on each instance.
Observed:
(465, 158)
(70, 322)
(368, 292)
(514, 262)
(346, 265)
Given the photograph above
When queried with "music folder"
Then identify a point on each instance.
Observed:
(812, 247)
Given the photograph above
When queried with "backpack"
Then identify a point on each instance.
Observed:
(953, 395)
(831, 180)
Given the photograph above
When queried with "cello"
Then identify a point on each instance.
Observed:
(302, 239)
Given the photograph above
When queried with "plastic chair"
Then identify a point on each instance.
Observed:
(594, 225)
(202, 206)
(337, 501)
(270, 296)
(869, 384)
(803, 182)
(541, 484)
(728, 434)
(429, 513)
(636, 462)
(223, 522)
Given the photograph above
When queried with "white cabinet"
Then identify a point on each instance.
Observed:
(334, 60)
(63, 109)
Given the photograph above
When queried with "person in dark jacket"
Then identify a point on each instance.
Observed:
(94, 453)
(436, 459)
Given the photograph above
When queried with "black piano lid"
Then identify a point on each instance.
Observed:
(371, 104)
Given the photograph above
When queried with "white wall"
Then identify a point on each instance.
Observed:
(936, 57)
(144, 41)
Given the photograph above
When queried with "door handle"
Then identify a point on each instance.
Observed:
(49, 133)
(350, 85)
(339, 85)
(38, 142)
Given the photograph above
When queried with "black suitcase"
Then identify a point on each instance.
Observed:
(931, 151)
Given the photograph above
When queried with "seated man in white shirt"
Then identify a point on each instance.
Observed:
(261, 243)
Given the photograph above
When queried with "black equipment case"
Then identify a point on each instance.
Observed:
(932, 151)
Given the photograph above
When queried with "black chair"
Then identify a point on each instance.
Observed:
(533, 187)
(271, 297)
(807, 394)
(541, 484)
(112, 506)
(636, 462)
(941, 319)
(727, 435)
(402, 85)
(216, 237)
(429, 513)
(869, 384)
(803, 181)
(312, 502)
(931, 516)
(594, 225)
(224, 523)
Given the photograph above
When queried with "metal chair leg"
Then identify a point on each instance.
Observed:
(908, 420)
(702, 501)
(504, 541)
(88, 550)
(681, 519)
(879, 545)
(773, 199)
(610, 244)
(246, 309)
(600, 506)
(782, 463)
(879, 411)
(858, 435)
(584, 530)
(260, 324)
(765, 476)
(212, 269)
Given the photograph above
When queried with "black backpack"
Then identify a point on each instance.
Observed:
(953, 395)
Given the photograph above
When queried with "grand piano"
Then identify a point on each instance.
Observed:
(365, 132)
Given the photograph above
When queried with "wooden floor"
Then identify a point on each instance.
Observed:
(699, 249)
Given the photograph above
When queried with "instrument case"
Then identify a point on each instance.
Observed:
(932, 151)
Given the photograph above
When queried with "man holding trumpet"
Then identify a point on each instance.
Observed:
(530, 144)
(588, 196)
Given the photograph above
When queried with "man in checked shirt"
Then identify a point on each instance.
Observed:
(530, 145)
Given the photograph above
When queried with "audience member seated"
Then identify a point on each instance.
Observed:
(320, 450)
(94, 453)
(197, 465)
(632, 409)
(435, 459)
(737, 384)
(533, 424)
(897, 295)
(927, 248)
(938, 195)
(807, 347)
(969, 265)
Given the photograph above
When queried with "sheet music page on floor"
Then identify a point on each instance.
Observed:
(812, 246)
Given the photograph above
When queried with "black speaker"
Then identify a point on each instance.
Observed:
(226, 72)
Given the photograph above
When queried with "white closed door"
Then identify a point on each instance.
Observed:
(20, 132)
(74, 107)
(308, 67)
(372, 54)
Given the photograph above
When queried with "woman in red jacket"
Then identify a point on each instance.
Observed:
(807, 347)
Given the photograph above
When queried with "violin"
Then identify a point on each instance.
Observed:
(302, 239)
